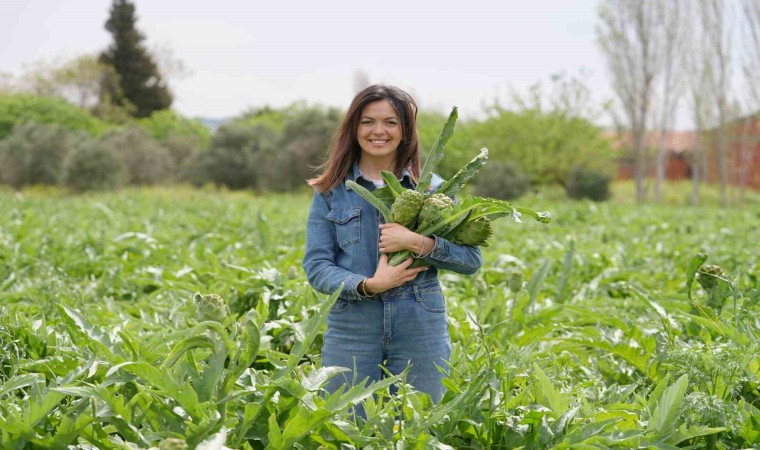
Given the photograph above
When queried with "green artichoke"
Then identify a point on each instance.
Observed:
(515, 280)
(406, 207)
(472, 232)
(708, 276)
(435, 208)
(209, 307)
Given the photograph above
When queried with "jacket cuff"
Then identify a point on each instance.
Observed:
(350, 287)
(440, 250)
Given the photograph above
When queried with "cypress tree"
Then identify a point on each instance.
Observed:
(139, 87)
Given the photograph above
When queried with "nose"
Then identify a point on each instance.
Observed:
(378, 129)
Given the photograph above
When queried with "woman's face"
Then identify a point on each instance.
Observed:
(379, 130)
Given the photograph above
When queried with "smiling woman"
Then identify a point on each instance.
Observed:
(387, 319)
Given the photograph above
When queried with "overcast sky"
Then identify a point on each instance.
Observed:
(242, 54)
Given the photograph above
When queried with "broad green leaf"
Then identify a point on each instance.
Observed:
(340, 400)
(691, 272)
(587, 431)
(536, 282)
(200, 341)
(20, 381)
(274, 434)
(311, 330)
(436, 152)
(684, 433)
(319, 376)
(668, 407)
(299, 424)
(548, 395)
(453, 185)
(148, 373)
(42, 403)
(95, 336)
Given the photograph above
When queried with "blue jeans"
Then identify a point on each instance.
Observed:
(404, 326)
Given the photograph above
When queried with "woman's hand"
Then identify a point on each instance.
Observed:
(395, 238)
(388, 277)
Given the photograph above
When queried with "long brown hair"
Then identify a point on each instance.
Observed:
(345, 149)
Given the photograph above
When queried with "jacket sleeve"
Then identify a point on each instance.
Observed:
(321, 252)
(464, 259)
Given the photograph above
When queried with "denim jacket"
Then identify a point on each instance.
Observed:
(342, 237)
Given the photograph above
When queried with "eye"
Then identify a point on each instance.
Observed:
(365, 122)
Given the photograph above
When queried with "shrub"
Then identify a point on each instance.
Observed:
(18, 109)
(144, 160)
(34, 154)
(184, 152)
(587, 183)
(165, 124)
(502, 180)
(93, 166)
(305, 138)
(236, 157)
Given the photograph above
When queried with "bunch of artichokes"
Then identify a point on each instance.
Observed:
(466, 222)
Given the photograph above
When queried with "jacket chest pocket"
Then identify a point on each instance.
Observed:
(347, 225)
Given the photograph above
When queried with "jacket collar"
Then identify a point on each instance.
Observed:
(355, 174)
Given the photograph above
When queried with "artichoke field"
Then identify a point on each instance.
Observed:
(467, 222)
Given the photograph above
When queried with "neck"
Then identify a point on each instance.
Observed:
(371, 167)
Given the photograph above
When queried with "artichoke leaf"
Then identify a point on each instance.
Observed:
(371, 198)
(392, 183)
(436, 152)
(457, 182)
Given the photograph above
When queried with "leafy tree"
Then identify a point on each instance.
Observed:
(590, 184)
(166, 123)
(139, 81)
(235, 155)
(34, 153)
(546, 145)
(502, 180)
(305, 139)
(93, 166)
(272, 117)
(144, 160)
(21, 108)
(78, 80)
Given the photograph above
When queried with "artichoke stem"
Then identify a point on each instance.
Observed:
(399, 257)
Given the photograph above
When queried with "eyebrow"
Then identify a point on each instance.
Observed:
(387, 118)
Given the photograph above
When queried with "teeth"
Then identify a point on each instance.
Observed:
(379, 142)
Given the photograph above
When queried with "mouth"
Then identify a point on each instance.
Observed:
(378, 141)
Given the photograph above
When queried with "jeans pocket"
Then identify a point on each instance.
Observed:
(430, 297)
(347, 225)
(340, 306)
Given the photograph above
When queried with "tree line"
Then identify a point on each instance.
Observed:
(104, 121)
(49, 141)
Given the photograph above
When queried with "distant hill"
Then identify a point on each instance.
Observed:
(213, 122)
